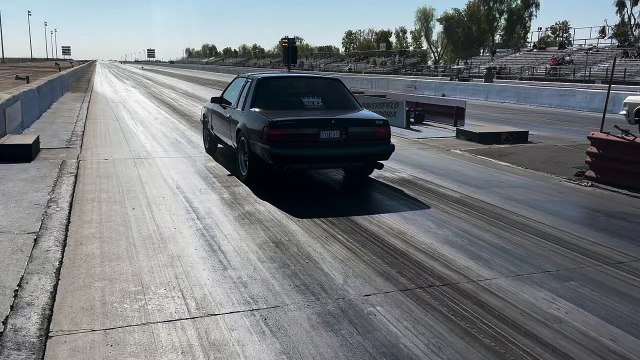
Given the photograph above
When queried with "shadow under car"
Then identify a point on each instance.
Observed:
(325, 193)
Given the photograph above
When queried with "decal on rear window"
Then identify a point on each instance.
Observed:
(313, 103)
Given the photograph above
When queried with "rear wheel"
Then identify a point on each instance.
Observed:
(209, 140)
(360, 172)
(248, 163)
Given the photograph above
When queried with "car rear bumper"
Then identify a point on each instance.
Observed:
(323, 157)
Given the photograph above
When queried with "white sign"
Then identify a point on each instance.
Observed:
(395, 111)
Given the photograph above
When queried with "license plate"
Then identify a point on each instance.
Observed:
(329, 134)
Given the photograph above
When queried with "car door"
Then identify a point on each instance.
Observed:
(237, 111)
(221, 114)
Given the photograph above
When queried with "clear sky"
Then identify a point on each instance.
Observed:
(107, 29)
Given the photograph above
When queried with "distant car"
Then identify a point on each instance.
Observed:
(295, 122)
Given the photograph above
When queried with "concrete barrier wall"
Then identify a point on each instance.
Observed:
(526, 94)
(35, 99)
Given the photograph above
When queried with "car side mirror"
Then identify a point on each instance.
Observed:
(215, 100)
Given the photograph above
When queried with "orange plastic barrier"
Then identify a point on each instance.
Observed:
(614, 159)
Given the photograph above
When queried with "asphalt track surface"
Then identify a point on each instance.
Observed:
(565, 124)
(441, 255)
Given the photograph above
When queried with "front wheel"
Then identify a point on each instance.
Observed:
(209, 140)
(248, 163)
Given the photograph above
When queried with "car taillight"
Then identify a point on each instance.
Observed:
(383, 132)
(370, 133)
(275, 135)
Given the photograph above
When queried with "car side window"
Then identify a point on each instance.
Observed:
(232, 93)
(243, 97)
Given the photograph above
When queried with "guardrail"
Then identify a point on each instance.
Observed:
(525, 94)
(20, 107)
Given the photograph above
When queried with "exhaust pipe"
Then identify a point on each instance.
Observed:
(379, 165)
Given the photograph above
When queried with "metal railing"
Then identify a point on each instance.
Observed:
(404, 62)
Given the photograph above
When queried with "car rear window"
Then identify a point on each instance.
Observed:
(303, 93)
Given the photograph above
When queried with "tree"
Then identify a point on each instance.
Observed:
(305, 49)
(257, 51)
(208, 51)
(401, 38)
(366, 40)
(465, 32)
(382, 38)
(602, 33)
(425, 20)
(276, 50)
(622, 34)
(227, 52)
(327, 49)
(561, 33)
(349, 41)
(494, 12)
(416, 39)
(546, 41)
(188, 52)
(628, 11)
(517, 22)
(244, 50)
(510, 18)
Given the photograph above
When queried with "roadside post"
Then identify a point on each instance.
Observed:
(606, 102)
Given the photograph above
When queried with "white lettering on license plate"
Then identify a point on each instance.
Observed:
(329, 134)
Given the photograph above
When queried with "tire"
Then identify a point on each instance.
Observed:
(358, 172)
(248, 163)
(209, 141)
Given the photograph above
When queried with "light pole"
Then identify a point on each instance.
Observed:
(1, 38)
(52, 43)
(56, 37)
(29, 21)
(46, 44)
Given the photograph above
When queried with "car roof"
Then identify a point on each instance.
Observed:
(263, 75)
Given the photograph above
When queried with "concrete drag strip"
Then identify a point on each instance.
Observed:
(439, 255)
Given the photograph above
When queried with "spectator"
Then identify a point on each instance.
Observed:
(568, 60)
(553, 61)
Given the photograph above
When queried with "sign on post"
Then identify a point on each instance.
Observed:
(66, 51)
(393, 110)
(289, 52)
(151, 53)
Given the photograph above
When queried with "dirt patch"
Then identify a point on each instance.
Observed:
(35, 70)
(559, 160)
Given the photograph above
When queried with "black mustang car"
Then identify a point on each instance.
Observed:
(295, 122)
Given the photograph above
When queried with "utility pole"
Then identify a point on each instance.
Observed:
(56, 37)
(51, 43)
(29, 21)
(1, 38)
(46, 44)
